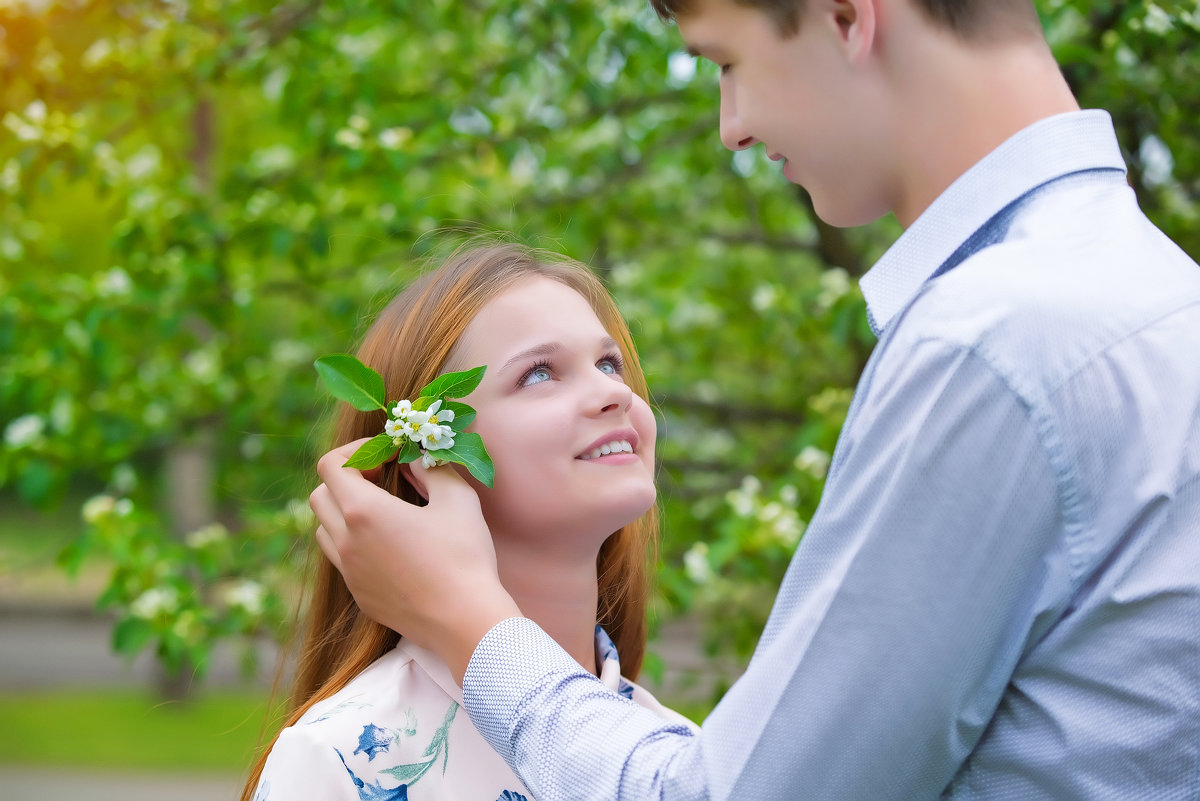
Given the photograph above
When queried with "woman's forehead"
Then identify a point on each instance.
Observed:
(530, 312)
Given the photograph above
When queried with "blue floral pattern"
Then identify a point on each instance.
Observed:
(387, 737)
(374, 792)
(373, 740)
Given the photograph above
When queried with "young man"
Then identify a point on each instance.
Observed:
(999, 596)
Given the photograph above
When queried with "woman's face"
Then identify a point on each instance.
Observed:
(551, 406)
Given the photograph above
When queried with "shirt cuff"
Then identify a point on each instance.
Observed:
(510, 664)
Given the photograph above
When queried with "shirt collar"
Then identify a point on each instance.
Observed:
(1050, 148)
(608, 660)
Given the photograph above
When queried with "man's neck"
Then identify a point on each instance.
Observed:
(959, 103)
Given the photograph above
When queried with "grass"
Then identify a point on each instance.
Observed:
(131, 730)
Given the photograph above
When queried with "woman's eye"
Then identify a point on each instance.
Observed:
(536, 376)
(611, 365)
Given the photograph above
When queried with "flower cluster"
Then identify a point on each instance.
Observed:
(431, 427)
(428, 428)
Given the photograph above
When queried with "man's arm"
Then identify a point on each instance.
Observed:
(932, 562)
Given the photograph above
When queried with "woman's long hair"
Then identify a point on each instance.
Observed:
(408, 345)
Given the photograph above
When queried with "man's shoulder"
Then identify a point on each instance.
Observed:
(1048, 301)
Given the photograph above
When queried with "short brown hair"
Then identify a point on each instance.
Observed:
(970, 19)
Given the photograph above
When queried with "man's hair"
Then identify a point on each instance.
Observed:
(970, 19)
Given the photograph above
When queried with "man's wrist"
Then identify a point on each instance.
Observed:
(469, 628)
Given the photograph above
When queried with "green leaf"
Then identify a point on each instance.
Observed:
(409, 453)
(352, 381)
(469, 451)
(454, 385)
(131, 635)
(464, 415)
(373, 453)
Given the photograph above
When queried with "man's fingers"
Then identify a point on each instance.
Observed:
(322, 502)
(329, 466)
(328, 548)
(442, 484)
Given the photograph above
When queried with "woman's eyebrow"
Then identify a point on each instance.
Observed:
(549, 349)
(542, 351)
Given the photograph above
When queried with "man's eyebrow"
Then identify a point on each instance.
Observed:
(704, 50)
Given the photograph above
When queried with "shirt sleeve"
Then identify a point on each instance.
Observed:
(303, 766)
(932, 562)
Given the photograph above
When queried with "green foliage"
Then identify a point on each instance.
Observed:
(353, 382)
(196, 199)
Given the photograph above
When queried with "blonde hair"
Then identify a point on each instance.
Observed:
(408, 344)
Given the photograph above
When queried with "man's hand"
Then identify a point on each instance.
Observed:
(427, 572)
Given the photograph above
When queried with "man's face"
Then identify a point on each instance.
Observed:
(799, 95)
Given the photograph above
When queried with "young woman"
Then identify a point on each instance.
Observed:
(563, 411)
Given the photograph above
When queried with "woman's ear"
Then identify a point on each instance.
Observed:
(412, 478)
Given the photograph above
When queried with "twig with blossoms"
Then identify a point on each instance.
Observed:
(430, 427)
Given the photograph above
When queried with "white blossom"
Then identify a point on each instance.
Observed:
(153, 602)
(402, 409)
(113, 283)
(394, 138)
(744, 498)
(97, 507)
(436, 437)
(696, 565)
(24, 431)
(429, 460)
(248, 596)
(207, 535)
(348, 138)
(764, 297)
(835, 282)
(439, 415)
(813, 460)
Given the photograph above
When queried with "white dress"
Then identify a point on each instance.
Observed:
(396, 732)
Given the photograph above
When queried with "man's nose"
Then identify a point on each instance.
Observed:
(733, 134)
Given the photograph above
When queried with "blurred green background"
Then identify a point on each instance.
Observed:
(199, 198)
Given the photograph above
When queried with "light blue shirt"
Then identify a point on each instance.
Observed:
(999, 596)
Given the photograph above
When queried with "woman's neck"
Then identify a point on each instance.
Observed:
(555, 588)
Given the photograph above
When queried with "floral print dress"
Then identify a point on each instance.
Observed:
(396, 732)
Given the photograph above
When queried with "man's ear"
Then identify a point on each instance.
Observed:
(855, 22)
(414, 479)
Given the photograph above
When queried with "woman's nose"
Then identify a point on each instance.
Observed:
(612, 394)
